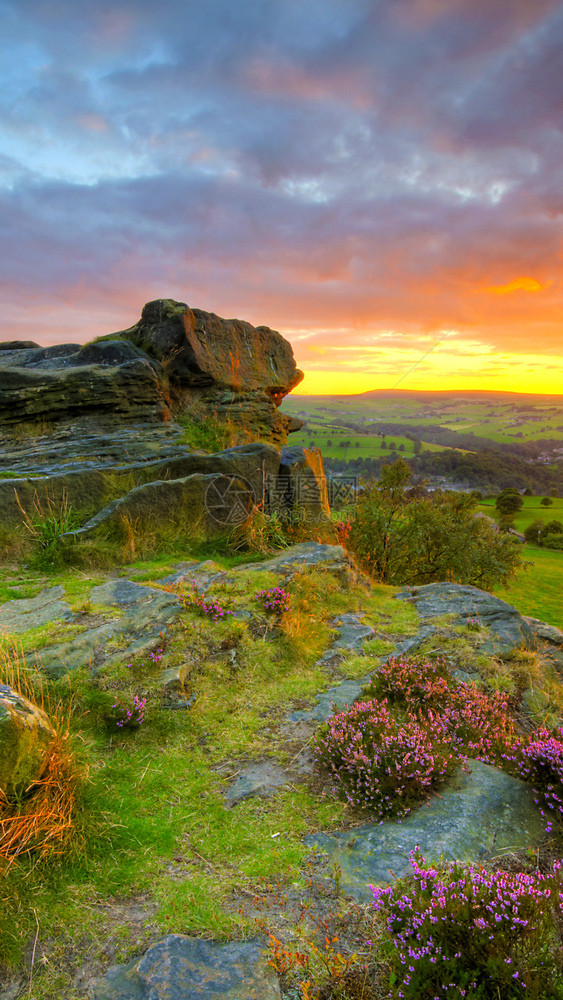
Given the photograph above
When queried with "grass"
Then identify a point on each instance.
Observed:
(531, 511)
(151, 813)
(537, 589)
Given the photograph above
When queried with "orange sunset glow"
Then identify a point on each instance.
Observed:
(379, 182)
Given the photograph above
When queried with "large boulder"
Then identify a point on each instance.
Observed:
(184, 968)
(480, 814)
(204, 495)
(508, 630)
(132, 389)
(224, 367)
(300, 487)
(26, 736)
(199, 349)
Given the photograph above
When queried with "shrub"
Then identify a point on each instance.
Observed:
(539, 760)
(471, 721)
(401, 537)
(130, 714)
(534, 532)
(379, 764)
(554, 542)
(275, 600)
(466, 932)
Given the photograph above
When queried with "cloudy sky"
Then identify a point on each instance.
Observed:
(380, 180)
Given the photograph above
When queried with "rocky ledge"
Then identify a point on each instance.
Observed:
(174, 359)
(89, 426)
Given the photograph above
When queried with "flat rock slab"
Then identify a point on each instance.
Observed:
(352, 633)
(304, 554)
(261, 778)
(508, 629)
(482, 814)
(125, 593)
(146, 612)
(183, 968)
(333, 700)
(20, 615)
(202, 574)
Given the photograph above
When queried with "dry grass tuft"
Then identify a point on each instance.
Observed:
(42, 822)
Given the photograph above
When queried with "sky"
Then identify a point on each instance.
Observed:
(379, 180)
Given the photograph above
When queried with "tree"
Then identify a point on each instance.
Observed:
(534, 532)
(546, 502)
(509, 502)
(403, 538)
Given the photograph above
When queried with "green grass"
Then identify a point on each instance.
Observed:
(319, 435)
(537, 590)
(151, 814)
(510, 418)
(531, 511)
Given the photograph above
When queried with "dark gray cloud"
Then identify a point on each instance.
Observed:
(372, 162)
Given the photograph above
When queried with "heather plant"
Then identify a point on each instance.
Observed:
(539, 760)
(380, 764)
(473, 722)
(131, 713)
(211, 609)
(276, 600)
(464, 932)
(474, 624)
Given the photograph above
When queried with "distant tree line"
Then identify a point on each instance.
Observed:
(436, 434)
(489, 471)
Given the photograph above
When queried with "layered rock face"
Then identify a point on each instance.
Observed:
(102, 427)
(228, 368)
(174, 359)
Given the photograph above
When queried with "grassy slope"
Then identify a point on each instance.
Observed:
(152, 815)
(153, 826)
(538, 588)
(499, 419)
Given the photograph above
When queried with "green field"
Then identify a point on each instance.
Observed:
(342, 442)
(509, 417)
(531, 511)
(538, 589)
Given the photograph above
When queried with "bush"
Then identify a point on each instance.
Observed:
(554, 542)
(534, 532)
(380, 764)
(400, 537)
(466, 932)
(539, 760)
(472, 722)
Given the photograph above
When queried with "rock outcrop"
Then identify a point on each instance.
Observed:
(184, 968)
(174, 359)
(508, 630)
(92, 427)
(25, 737)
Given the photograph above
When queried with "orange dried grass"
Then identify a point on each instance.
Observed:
(42, 822)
